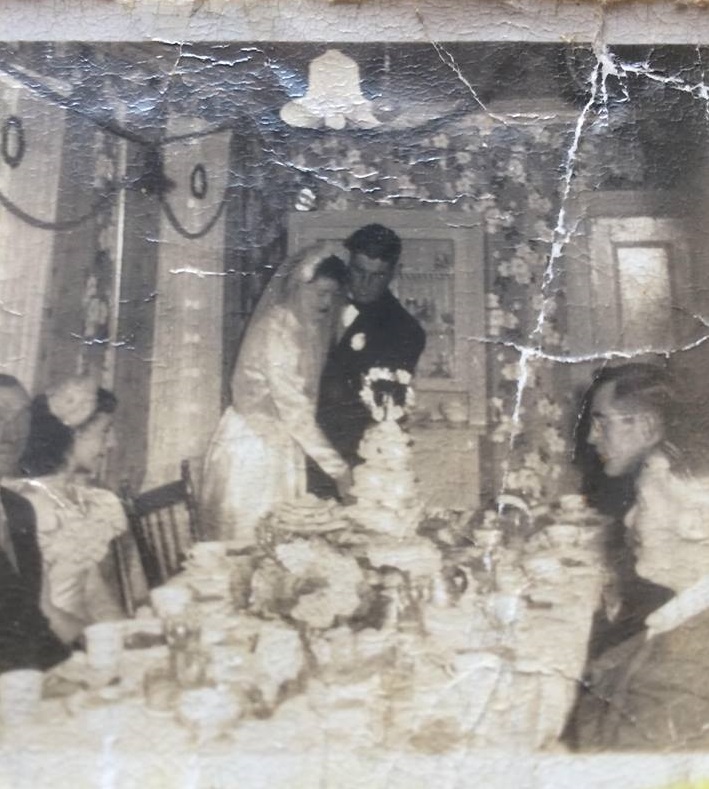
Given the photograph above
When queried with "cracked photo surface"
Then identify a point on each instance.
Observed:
(353, 413)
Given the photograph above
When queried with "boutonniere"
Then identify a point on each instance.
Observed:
(358, 341)
(349, 315)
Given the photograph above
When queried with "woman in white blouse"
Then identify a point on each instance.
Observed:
(68, 544)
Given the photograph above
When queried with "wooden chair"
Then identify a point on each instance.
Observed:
(164, 522)
(121, 564)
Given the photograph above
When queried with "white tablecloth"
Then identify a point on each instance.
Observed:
(523, 707)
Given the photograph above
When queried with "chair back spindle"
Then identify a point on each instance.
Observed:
(164, 522)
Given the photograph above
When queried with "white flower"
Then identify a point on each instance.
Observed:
(526, 481)
(510, 371)
(349, 315)
(499, 319)
(507, 428)
(554, 440)
(520, 272)
(533, 460)
(358, 341)
(549, 410)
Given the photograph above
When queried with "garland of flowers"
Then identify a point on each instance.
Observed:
(379, 390)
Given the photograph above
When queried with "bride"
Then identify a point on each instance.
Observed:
(257, 456)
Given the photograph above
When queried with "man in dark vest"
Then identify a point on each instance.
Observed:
(26, 640)
(376, 331)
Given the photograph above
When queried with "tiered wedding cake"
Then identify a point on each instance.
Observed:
(385, 483)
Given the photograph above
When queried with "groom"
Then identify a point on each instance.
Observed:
(376, 331)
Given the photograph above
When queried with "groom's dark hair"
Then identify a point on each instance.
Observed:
(375, 241)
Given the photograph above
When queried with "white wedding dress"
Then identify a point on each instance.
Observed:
(257, 456)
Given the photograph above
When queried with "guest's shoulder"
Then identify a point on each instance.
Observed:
(17, 496)
(10, 494)
(37, 493)
(17, 507)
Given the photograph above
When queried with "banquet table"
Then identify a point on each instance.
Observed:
(144, 755)
(521, 693)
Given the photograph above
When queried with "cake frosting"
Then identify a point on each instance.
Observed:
(385, 483)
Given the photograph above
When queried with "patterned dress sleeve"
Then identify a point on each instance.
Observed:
(295, 397)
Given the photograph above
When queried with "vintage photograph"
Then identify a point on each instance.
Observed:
(353, 411)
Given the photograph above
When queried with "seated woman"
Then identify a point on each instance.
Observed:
(257, 457)
(62, 526)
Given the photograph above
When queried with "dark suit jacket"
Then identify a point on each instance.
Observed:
(653, 696)
(26, 639)
(393, 339)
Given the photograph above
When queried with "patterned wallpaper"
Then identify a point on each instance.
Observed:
(511, 173)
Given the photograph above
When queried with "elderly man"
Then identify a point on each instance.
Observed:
(376, 331)
(26, 640)
(649, 692)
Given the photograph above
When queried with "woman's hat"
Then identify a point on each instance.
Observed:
(73, 401)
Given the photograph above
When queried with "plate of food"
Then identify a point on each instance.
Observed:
(308, 515)
(312, 528)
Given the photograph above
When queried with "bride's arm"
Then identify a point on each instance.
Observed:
(295, 399)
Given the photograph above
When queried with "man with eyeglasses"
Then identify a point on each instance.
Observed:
(648, 692)
(376, 331)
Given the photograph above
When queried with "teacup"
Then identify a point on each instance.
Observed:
(170, 602)
(208, 555)
(160, 690)
(104, 647)
(208, 712)
(20, 694)
(506, 608)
